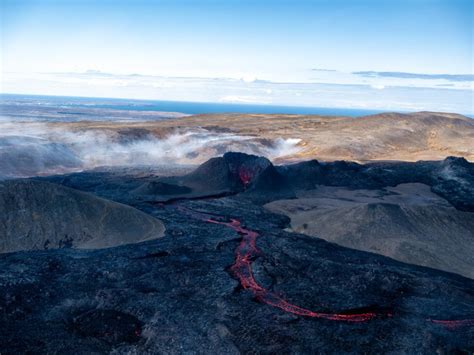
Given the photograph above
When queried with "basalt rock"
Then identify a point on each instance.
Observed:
(452, 178)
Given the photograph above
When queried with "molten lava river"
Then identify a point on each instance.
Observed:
(247, 251)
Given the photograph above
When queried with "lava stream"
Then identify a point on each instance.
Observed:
(242, 269)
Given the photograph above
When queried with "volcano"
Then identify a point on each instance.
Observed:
(251, 176)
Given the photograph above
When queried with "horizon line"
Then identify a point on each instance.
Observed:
(256, 104)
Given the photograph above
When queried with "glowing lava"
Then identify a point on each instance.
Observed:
(245, 176)
(242, 270)
(247, 251)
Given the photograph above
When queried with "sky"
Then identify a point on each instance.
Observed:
(419, 53)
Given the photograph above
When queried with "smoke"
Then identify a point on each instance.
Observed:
(32, 148)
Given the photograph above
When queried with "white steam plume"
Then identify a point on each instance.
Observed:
(28, 148)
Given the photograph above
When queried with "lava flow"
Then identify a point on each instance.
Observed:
(453, 324)
(242, 270)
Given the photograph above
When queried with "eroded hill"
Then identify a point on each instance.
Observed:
(36, 215)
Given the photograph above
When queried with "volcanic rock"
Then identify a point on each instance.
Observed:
(233, 173)
(153, 188)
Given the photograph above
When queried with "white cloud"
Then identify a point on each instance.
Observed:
(244, 99)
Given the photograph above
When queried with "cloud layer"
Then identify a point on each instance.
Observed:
(317, 88)
(30, 148)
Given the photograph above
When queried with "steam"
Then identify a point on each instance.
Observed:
(283, 147)
(38, 148)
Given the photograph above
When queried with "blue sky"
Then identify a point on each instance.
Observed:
(306, 42)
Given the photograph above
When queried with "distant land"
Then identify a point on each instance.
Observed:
(190, 108)
(291, 138)
(186, 107)
(42, 135)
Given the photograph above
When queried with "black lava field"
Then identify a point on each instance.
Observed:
(229, 277)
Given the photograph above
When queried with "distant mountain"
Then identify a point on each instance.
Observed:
(64, 147)
(388, 136)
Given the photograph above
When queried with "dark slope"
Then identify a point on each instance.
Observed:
(178, 295)
(238, 173)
